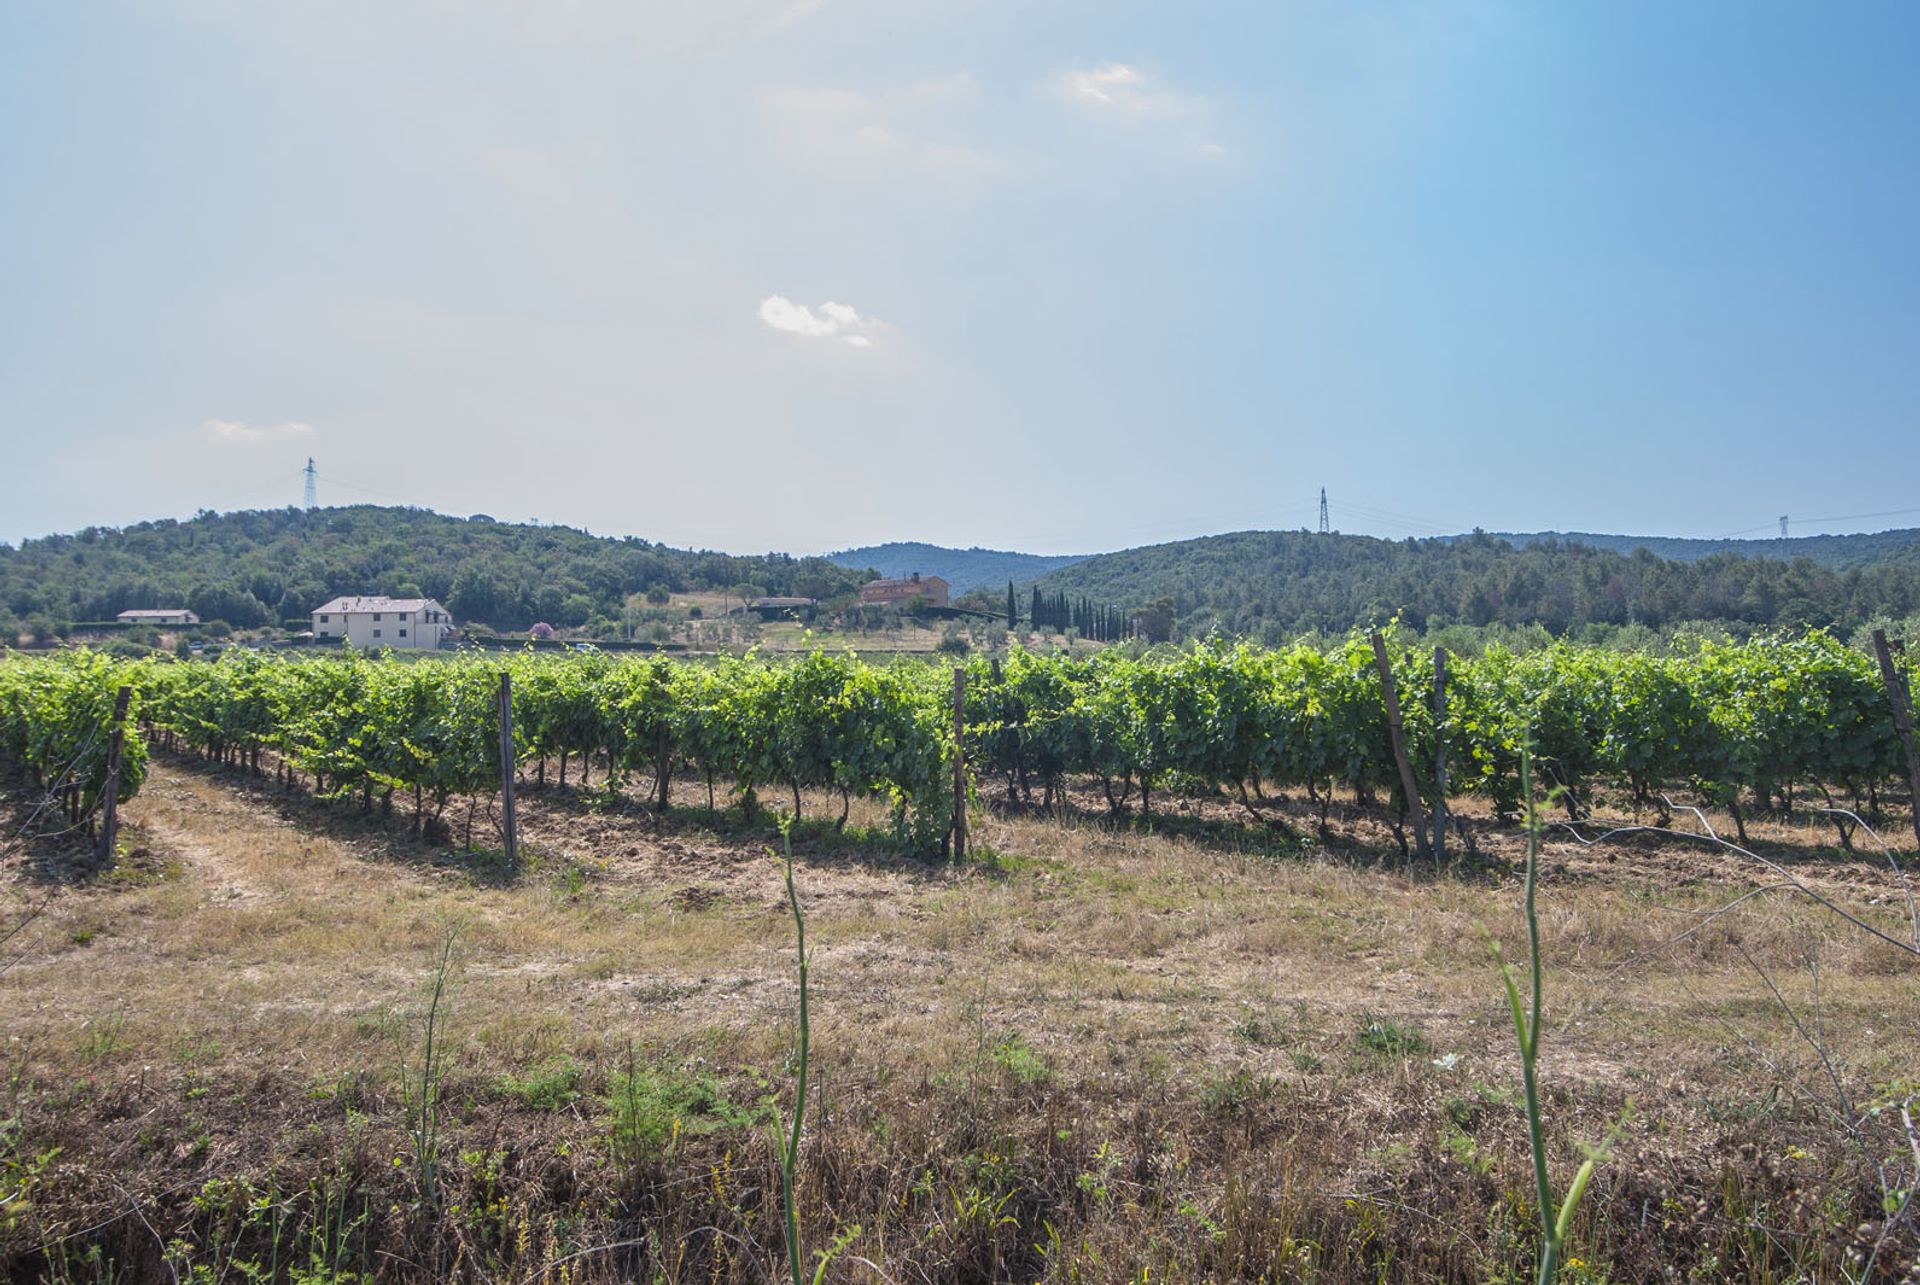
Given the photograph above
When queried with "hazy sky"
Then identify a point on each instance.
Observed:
(1058, 275)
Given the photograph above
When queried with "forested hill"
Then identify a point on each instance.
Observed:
(1839, 551)
(1272, 585)
(963, 569)
(262, 567)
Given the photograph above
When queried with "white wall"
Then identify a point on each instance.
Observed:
(390, 629)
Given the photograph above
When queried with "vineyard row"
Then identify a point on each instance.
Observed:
(1740, 724)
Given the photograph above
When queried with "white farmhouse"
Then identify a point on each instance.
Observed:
(158, 616)
(372, 623)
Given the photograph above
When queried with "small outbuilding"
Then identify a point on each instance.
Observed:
(783, 608)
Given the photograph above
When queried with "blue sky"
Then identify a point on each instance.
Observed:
(1058, 275)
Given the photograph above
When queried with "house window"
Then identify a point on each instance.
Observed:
(403, 633)
(376, 615)
(376, 633)
(323, 620)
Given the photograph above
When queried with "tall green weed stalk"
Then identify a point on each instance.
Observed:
(1555, 1220)
(788, 1140)
(422, 1089)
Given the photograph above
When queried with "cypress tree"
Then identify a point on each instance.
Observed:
(1013, 607)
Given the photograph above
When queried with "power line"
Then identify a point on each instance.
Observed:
(1412, 523)
(386, 495)
(1804, 522)
(1856, 517)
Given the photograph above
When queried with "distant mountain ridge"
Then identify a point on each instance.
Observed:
(266, 566)
(963, 569)
(1838, 551)
(1275, 585)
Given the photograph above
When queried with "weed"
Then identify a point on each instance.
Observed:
(1386, 1038)
(379, 1023)
(1093, 1180)
(550, 1086)
(790, 1144)
(102, 1038)
(1022, 1061)
(1260, 1031)
(654, 1106)
(197, 1050)
(346, 1088)
(1465, 1110)
(1462, 1146)
(1554, 1219)
(1233, 1095)
(20, 1173)
(422, 1088)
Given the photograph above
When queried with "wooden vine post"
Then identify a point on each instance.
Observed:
(508, 820)
(959, 765)
(1439, 754)
(1901, 699)
(1398, 735)
(110, 795)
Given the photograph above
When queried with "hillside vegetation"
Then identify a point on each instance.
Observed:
(264, 567)
(963, 569)
(261, 567)
(1838, 551)
(1273, 585)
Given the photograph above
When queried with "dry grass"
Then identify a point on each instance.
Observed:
(1104, 1049)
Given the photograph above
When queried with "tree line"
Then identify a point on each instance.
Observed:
(1057, 613)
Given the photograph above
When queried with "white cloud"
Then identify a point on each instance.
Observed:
(232, 430)
(1127, 96)
(916, 130)
(1127, 91)
(829, 321)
